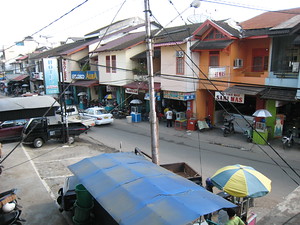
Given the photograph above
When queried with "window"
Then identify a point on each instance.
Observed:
(107, 64)
(113, 64)
(260, 59)
(179, 62)
(214, 58)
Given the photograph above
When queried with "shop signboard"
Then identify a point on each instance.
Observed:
(229, 97)
(132, 91)
(51, 76)
(217, 72)
(85, 75)
(157, 96)
(183, 96)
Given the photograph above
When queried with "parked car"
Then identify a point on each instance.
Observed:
(38, 131)
(100, 114)
(11, 129)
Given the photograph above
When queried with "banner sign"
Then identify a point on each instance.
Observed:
(184, 96)
(132, 91)
(85, 75)
(230, 97)
(51, 76)
(217, 72)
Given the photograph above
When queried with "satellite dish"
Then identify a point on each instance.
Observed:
(197, 18)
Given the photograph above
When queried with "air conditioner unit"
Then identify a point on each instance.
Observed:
(238, 63)
(179, 54)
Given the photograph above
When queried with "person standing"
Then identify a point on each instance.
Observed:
(233, 219)
(169, 117)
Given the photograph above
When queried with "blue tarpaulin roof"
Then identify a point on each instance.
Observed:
(135, 191)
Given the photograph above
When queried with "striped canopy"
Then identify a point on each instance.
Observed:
(241, 181)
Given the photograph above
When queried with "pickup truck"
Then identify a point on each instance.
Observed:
(37, 131)
(74, 116)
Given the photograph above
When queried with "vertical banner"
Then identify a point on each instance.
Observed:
(51, 76)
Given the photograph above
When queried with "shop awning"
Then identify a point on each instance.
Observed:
(27, 107)
(207, 45)
(86, 83)
(279, 94)
(142, 85)
(19, 78)
(246, 90)
(135, 191)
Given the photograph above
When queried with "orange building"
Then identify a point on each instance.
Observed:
(233, 65)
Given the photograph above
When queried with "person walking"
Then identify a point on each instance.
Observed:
(169, 117)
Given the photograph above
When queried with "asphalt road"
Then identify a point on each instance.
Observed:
(43, 171)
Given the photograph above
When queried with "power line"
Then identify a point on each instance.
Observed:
(236, 109)
(51, 22)
(249, 7)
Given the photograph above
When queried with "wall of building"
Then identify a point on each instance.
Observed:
(168, 66)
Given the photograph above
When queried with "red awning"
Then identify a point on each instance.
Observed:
(142, 85)
(19, 78)
(86, 83)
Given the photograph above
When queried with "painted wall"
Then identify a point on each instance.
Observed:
(123, 75)
(168, 66)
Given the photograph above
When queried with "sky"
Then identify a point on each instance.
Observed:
(24, 18)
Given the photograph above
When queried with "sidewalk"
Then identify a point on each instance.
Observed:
(215, 136)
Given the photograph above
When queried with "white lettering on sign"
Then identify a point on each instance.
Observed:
(217, 72)
(229, 97)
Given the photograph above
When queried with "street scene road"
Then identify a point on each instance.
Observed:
(203, 151)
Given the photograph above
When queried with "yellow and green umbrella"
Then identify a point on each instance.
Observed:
(241, 181)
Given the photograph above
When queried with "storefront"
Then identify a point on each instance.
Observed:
(180, 102)
(85, 87)
(140, 90)
(239, 101)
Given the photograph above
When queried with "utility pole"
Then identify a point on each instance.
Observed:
(153, 117)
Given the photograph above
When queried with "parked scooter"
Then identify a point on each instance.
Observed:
(292, 137)
(228, 127)
(9, 209)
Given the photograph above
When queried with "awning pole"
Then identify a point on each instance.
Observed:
(153, 117)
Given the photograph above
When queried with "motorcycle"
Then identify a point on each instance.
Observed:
(228, 127)
(292, 137)
(9, 209)
(119, 113)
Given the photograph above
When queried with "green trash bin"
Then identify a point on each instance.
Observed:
(84, 198)
(81, 215)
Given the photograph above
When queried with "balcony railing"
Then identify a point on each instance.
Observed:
(286, 75)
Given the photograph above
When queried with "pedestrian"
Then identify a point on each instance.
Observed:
(233, 219)
(169, 117)
(209, 185)
(222, 216)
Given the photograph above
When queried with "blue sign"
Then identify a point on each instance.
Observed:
(51, 76)
(85, 75)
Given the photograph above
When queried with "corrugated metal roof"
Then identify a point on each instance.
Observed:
(207, 45)
(135, 191)
(10, 104)
(247, 90)
(122, 43)
(270, 19)
(280, 94)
